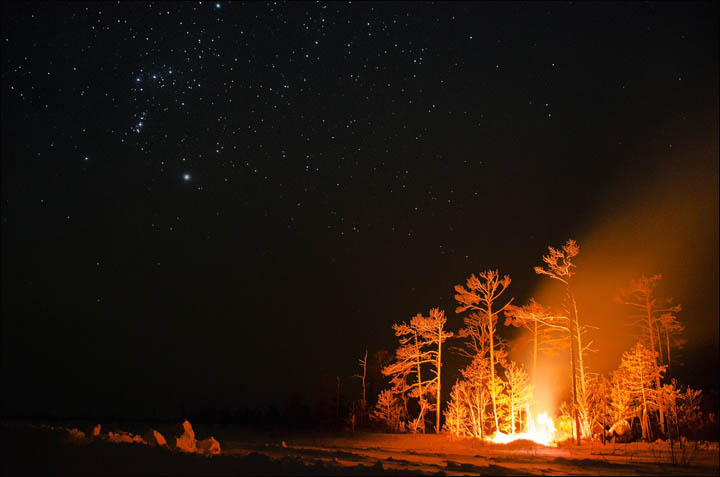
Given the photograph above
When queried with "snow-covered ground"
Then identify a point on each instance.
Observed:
(432, 454)
(35, 450)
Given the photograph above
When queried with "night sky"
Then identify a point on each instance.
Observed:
(218, 204)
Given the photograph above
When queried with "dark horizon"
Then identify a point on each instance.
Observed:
(223, 205)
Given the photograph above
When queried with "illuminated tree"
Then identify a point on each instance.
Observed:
(621, 405)
(543, 325)
(480, 296)
(639, 372)
(550, 331)
(518, 392)
(649, 316)
(684, 419)
(475, 392)
(502, 411)
(559, 266)
(456, 416)
(420, 345)
(387, 410)
(422, 394)
(402, 377)
(400, 382)
(600, 402)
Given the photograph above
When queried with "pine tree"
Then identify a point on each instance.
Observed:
(546, 329)
(420, 346)
(387, 410)
(456, 413)
(639, 373)
(559, 266)
(519, 392)
(476, 393)
(649, 316)
(621, 403)
(480, 326)
(599, 402)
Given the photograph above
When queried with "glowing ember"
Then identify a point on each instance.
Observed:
(541, 430)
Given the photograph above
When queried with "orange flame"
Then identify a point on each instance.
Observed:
(541, 429)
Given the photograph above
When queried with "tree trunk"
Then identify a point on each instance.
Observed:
(421, 418)
(581, 364)
(482, 415)
(573, 373)
(667, 338)
(404, 398)
(512, 414)
(364, 374)
(439, 365)
(535, 349)
(529, 421)
(493, 390)
(651, 333)
(645, 421)
(659, 342)
(473, 419)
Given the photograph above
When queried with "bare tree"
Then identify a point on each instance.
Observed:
(420, 344)
(559, 266)
(363, 364)
(480, 296)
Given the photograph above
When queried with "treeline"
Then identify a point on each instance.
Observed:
(495, 394)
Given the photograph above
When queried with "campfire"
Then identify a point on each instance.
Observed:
(541, 429)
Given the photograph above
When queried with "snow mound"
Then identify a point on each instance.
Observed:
(186, 442)
(154, 438)
(209, 446)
